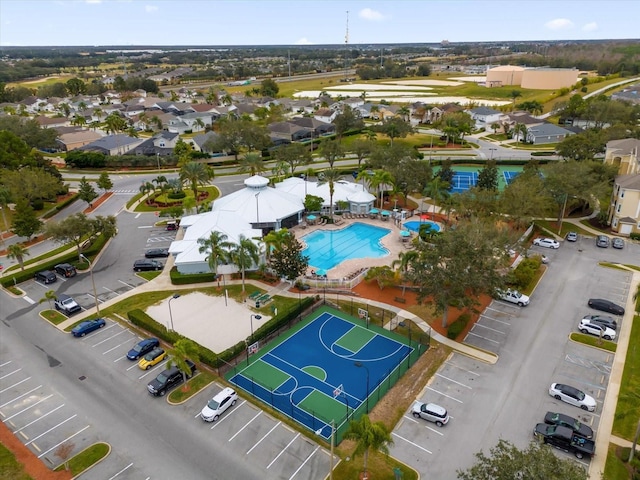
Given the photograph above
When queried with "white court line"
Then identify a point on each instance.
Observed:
(125, 468)
(283, 450)
(23, 395)
(108, 338)
(489, 328)
(30, 406)
(494, 319)
(484, 338)
(453, 381)
(39, 418)
(52, 428)
(463, 369)
(15, 385)
(245, 425)
(5, 376)
(265, 436)
(66, 439)
(5, 363)
(412, 443)
(113, 348)
(448, 396)
(304, 463)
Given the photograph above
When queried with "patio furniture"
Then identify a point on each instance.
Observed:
(254, 295)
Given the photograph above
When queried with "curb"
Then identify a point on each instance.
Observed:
(96, 463)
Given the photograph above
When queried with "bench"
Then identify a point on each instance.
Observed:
(400, 299)
(255, 294)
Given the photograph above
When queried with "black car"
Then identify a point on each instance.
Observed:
(168, 379)
(605, 306)
(561, 419)
(65, 270)
(156, 253)
(46, 277)
(146, 265)
(604, 320)
(142, 348)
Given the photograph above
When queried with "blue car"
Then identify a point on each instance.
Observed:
(142, 348)
(89, 326)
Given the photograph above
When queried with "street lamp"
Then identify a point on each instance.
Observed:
(158, 160)
(360, 364)
(491, 150)
(332, 440)
(93, 283)
(257, 317)
(175, 295)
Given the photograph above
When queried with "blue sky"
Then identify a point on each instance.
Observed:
(267, 22)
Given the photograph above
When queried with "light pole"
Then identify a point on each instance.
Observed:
(158, 161)
(257, 317)
(332, 425)
(93, 283)
(361, 365)
(491, 150)
(175, 295)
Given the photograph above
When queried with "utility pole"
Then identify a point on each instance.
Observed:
(346, 53)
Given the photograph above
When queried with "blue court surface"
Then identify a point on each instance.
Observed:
(509, 176)
(463, 181)
(326, 369)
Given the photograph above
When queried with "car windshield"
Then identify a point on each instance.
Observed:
(161, 378)
(137, 348)
(213, 405)
(580, 395)
(149, 356)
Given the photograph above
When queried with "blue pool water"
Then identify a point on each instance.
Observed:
(415, 226)
(328, 248)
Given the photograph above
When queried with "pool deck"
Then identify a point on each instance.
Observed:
(392, 242)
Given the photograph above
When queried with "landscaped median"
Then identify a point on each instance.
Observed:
(593, 341)
(86, 459)
(53, 316)
(193, 386)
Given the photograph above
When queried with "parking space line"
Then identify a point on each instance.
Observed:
(152, 370)
(305, 462)
(113, 348)
(484, 338)
(448, 396)
(30, 406)
(215, 424)
(283, 450)
(15, 371)
(501, 311)
(453, 381)
(23, 395)
(15, 385)
(489, 328)
(581, 380)
(412, 443)
(118, 359)
(265, 436)
(109, 290)
(133, 365)
(494, 319)
(121, 471)
(5, 363)
(109, 338)
(100, 330)
(245, 425)
(65, 440)
(463, 369)
(128, 285)
(28, 299)
(434, 430)
(53, 428)
(39, 418)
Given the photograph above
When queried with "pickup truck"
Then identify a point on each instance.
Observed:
(514, 296)
(66, 304)
(168, 379)
(565, 439)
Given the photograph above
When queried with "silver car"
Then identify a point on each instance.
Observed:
(602, 241)
(617, 243)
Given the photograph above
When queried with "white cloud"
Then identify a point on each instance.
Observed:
(303, 41)
(369, 14)
(559, 24)
(93, 1)
(590, 27)
(150, 8)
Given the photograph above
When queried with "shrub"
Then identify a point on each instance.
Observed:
(176, 195)
(525, 272)
(60, 206)
(634, 236)
(37, 204)
(457, 327)
(178, 278)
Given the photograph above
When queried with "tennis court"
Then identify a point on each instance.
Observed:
(509, 176)
(323, 371)
(463, 181)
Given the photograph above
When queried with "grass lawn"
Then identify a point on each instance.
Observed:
(86, 458)
(148, 276)
(53, 316)
(593, 341)
(193, 386)
(628, 409)
(616, 466)
(214, 193)
(10, 468)
(566, 228)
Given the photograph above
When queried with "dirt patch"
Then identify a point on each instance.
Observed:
(32, 464)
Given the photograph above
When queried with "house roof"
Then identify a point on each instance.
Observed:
(286, 127)
(547, 129)
(484, 111)
(630, 182)
(625, 146)
(111, 141)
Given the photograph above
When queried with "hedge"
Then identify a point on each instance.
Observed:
(525, 272)
(60, 206)
(634, 236)
(457, 327)
(178, 278)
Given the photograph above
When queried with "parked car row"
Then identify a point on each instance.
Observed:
(563, 432)
(602, 241)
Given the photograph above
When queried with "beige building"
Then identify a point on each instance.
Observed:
(624, 210)
(531, 78)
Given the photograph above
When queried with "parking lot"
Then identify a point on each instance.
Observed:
(491, 331)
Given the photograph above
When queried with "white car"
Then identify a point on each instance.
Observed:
(546, 242)
(514, 296)
(586, 326)
(431, 412)
(219, 404)
(572, 396)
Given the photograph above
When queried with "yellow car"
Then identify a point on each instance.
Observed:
(152, 358)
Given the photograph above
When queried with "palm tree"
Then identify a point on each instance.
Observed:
(199, 123)
(252, 163)
(48, 296)
(379, 180)
(17, 252)
(115, 123)
(403, 262)
(404, 112)
(146, 187)
(195, 174)
(182, 350)
(331, 176)
(217, 248)
(368, 435)
(274, 241)
(438, 190)
(244, 254)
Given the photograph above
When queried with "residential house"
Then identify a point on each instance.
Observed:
(302, 106)
(484, 117)
(31, 104)
(624, 155)
(353, 102)
(162, 143)
(70, 138)
(199, 142)
(289, 132)
(316, 127)
(546, 133)
(325, 115)
(52, 122)
(624, 210)
(119, 144)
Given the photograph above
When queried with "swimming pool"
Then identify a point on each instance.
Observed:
(415, 226)
(328, 248)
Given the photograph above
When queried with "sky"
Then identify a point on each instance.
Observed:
(310, 22)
